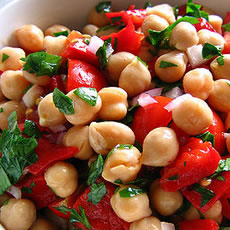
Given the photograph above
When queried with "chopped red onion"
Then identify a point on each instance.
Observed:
(226, 135)
(167, 226)
(145, 99)
(15, 192)
(174, 92)
(58, 128)
(95, 44)
(60, 138)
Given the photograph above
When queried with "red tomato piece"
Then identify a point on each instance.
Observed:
(225, 201)
(195, 161)
(118, 18)
(227, 18)
(82, 74)
(226, 49)
(204, 24)
(151, 65)
(150, 117)
(137, 16)
(56, 82)
(198, 225)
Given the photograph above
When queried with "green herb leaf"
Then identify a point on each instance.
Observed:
(31, 129)
(147, 4)
(1, 110)
(27, 88)
(139, 59)
(42, 63)
(97, 193)
(63, 102)
(207, 136)
(6, 202)
(89, 95)
(12, 123)
(201, 214)
(176, 11)
(124, 146)
(63, 209)
(130, 192)
(193, 10)
(118, 181)
(226, 27)
(210, 51)
(221, 178)
(64, 33)
(166, 86)
(224, 166)
(4, 57)
(220, 60)
(116, 190)
(175, 177)
(114, 20)
(165, 64)
(28, 190)
(103, 6)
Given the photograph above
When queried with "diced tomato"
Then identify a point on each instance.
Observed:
(198, 225)
(226, 49)
(203, 24)
(137, 16)
(225, 201)
(195, 161)
(151, 65)
(82, 74)
(56, 82)
(150, 117)
(227, 18)
(118, 18)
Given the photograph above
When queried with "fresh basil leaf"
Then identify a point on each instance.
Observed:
(207, 136)
(165, 64)
(89, 95)
(1, 110)
(130, 192)
(63, 102)
(226, 27)
(139, 59)
(12, 123)
(95, 170)
(175, 177)
(6, 202)
(123, 146)
(118, 181)
(31, 129)
(63, 209)
(194, 11)
(4, 57)
(210, 51)
(4, 180)
(27, 88)
(97, 192)
(103, 6)
(220, 60)
(166, 86)
(147, 4)
(63, 33)
(42, 63)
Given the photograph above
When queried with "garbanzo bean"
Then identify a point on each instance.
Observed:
(30, 37)
(123, 163)
(104, 136)
(49, 115)
(13, 84)
(97, 18)
(207, 36)
(131, 208)
(165, 203)
(43, 80)
(90, 29)
(55, 45)
(198, 82)
(84, 112)
(147, 223)
(219, 97)
(3, 198)
(12, 62)
(192, 115)
(114, 103)
(160, 147)
(183, 36)
(18, 214)
(216, 21)
(62, 177)
(43, 224)
(136, 72)
(117, 62)
(172, 74)
(56, 29)
(79, 136)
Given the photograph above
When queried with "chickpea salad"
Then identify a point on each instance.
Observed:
(122, 126)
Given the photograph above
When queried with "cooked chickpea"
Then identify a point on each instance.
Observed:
(207, 36)
(117, 62)
(42, 224)
(114, 103)
(55, 29)
(219, 97)
(198, 82)
(216, 21)
(104, 136)
(3, 198)
(79, 136)
(90, 29)
(84, 112)
(147, 223)
(97, 18)
(9, 107)
(160, 147)
(62, 177)
(183, 36)
(136, 72)
(131, 208)
(12, 62)
(175, 73)
(30, 37)
(18, 214)
(13, 84)
(153, 22)
(163, 10)
(49, 115)
(221, 71)
(165, 203)
(43, 80)
(123, 163)
(55, 45)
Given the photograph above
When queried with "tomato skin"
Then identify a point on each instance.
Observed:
(226, 18)
(150, 117)
(203, 24)
(82, 74)
(137, 16)
(151, 65)
(226, 49)
(198, 225)
(56, 82)
(225, 204)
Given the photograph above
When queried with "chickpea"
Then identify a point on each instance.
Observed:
(131, 208)
(90, 29)
(160, 147)
(97, 18)
(62, 177)
(147, 223)
(43, 80)
(56, 29)
(18, 214)
(9, 107)
(221, 71)
(13, 84)
(219, 97)
(183, 36)
(42, 224)
(207, 36)
(153, 22)
(198, 82)
(13, 61)
(216, 21)
(49, 115)
(114, 103)
(192, 115)
(117, 62)
(172, 74)
(163, 10)
(104, 136)
(84, 112)
(124, 164)
(79, 136)
(55, 45)
(30, 37)
(165, 203)
(146, 53)
(136, 72)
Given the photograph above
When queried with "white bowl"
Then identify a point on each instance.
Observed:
(72, 13)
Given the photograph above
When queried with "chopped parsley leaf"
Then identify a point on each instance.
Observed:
(1, 110)
(89, 95)
(207, 136)
(103, 6)
(226, 27)
(97, 192)
(63, 33)
(31, 129)
(165, 64)
(139, 59)
(4, 57)
(130, 192)
(147, 4)
(220, 60)
(175, 177)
